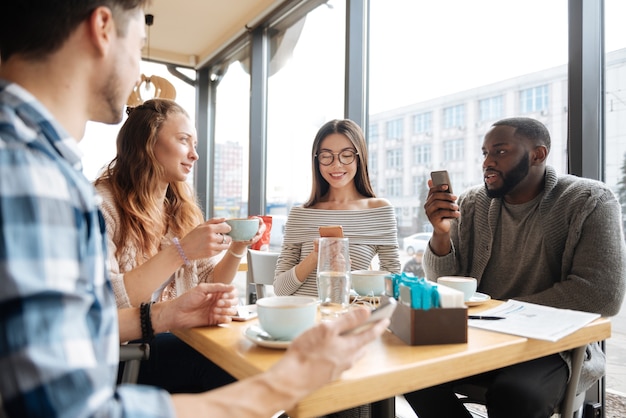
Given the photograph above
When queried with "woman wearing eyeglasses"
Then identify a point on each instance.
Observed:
(341, 194)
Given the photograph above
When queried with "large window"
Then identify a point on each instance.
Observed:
(232, 133)
(305, 90)
(615, 98)
(452, 68)
(615, 157)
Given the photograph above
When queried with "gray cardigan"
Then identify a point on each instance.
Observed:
(583, 240)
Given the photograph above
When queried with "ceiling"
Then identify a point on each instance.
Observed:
(190, 32)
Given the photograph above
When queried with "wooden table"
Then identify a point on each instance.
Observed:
(390, 367)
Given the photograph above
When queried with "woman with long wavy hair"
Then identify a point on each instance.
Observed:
(159, 244)
(155, 227)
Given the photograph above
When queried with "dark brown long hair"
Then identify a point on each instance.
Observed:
(354, 133)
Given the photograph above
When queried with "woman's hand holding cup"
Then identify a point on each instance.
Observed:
(207, 239)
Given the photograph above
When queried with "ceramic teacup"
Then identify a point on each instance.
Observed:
(467, 285)
(243, 229)
(369, 282)
(286, 317)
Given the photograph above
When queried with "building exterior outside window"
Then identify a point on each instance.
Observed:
(422, 123)
(421, 154)
(534, 99)
(490, 108)
(454, 116)
(394, 129)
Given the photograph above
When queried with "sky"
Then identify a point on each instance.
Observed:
(415, 57)
(436, 57)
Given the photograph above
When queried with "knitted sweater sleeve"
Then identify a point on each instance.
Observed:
(594, 261)
(285, 280)
(111, 219)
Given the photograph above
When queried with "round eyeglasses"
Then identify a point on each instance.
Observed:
(345, 157)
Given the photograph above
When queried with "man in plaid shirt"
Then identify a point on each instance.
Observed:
(63, 63)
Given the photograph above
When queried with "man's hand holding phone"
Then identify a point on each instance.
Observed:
(440, 208)
(384, 311)
(441, 202)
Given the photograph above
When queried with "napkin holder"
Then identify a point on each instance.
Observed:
(433, 326)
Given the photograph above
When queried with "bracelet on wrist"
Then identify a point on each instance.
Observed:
(147, 332)
(234, 254)
(179, 248)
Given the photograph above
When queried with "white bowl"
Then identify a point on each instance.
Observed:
(369, 282)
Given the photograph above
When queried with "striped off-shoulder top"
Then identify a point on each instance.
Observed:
(371, 232)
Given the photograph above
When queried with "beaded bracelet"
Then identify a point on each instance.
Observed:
(180, 251)
(147, 332)
(234, 254)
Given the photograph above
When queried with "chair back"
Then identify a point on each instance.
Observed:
(261, 269)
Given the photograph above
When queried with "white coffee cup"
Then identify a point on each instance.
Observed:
(467, 285)
(243, 229)
(369, 282)
(286, 317)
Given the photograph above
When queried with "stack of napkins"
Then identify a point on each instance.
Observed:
(449, 297)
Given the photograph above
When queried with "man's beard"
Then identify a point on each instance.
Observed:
(510, 179)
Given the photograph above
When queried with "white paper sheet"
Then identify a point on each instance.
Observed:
(533, 321)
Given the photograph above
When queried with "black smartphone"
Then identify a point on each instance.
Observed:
(383, 311)
(441, 177)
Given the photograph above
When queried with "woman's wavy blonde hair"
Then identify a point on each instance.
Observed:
(132, 177)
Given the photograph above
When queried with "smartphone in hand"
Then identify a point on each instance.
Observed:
(383, 311)
(441, 177)
(334, 231)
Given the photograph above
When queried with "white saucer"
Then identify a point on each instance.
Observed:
(478, 299)
(256, 334)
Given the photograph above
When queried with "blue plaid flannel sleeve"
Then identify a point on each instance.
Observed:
(59, 339)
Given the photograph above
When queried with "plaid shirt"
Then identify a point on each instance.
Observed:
(59, 339)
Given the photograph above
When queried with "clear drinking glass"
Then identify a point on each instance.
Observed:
(333, 277)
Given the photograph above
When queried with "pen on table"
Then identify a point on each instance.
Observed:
(486, 318)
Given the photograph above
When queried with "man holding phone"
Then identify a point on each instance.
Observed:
(535, 236)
